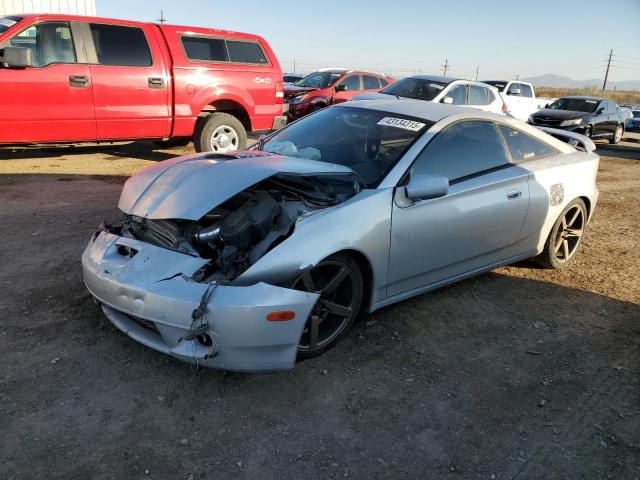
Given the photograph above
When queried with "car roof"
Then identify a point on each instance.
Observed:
(584, 97)
(436, 78)
(429, 111)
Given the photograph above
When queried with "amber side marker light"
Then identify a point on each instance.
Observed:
(283, 316)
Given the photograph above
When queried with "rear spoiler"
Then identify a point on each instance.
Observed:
(574, 139)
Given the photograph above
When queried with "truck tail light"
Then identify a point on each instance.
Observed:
(279, 92)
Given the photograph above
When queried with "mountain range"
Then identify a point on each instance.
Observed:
(551, 80)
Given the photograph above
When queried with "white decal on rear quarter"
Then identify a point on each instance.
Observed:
(401, 123)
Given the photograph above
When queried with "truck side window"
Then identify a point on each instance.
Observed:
(51, 42)
(512, 89)
(246, 52)
(205, 49)
(526, 90)
(117, 45)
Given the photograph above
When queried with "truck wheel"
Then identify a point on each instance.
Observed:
(565, 237)
(617, 136)
(220, 133)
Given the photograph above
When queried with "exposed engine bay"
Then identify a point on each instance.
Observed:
(237, 233)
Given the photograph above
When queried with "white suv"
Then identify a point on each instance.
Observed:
(438, 89)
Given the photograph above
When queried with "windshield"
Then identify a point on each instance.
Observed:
(496, 83)
(8, 22)
(415, 88)
(575, 105)
(370, 142)
(318, 80)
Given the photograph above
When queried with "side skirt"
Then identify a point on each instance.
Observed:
(448, 281)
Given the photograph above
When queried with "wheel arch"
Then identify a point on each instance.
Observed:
(229, 106)
(367, 273)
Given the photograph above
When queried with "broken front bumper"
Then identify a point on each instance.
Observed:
(147, 292)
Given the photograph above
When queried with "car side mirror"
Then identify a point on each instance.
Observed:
(426, 186)
(17, 57)
(515, 91)
(341, 88)
(448, 100)
(600, 111)
(547, 105)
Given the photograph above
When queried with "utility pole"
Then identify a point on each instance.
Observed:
(477, 70)
(162, 19)
(294, 65)
(517, 76)
(445, 67)
(606, 74)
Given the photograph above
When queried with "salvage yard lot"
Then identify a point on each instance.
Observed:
(520, 373)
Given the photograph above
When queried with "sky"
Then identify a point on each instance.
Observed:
(405, 37)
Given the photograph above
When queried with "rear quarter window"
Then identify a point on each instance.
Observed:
(524, 147)
(246, 52)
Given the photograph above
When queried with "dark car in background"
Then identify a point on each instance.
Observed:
(633, 124)
(590, 116)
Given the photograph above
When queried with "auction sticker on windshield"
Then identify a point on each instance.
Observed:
(401, 123)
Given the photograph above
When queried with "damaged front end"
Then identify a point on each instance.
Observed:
(169, 282)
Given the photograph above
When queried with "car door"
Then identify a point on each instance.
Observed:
(345, 89)
(53, 100)
(130, 81)
(370, 83)
(474, 225)
(600, 119)
(457, 94)
(614, 117)
(480, 97)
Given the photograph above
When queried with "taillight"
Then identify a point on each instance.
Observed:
(279, 92)
(505, 109)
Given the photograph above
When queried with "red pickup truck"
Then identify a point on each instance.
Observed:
(71, 79)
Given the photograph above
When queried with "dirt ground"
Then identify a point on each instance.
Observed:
(521, 373)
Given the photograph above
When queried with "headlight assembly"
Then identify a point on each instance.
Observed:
(569, 123)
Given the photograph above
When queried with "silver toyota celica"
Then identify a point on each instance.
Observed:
(249, 260)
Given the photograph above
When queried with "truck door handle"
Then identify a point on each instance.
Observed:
(514, 194)
(78, 81)
(156, 82)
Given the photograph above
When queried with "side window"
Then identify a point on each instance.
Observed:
(526, 90)
(463, 149)
(522, 146)
(205, 49)
(117, 45)
(513, 88)
(458, 94)
(50, 42)
(352, 83)
(611, 107)
(246, 52)
(370, 82)
(478, 95)
(383, 82)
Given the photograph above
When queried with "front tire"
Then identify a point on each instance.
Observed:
(617, 136)
(340, 283)
(565, 237)
(220, 133)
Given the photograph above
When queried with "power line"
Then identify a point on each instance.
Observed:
(445, 67)
(606, 75)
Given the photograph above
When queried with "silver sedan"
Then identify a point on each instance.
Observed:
(249, 261)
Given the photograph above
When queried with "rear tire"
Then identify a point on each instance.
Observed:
(565, 237)
(617, 136)
(220, 133)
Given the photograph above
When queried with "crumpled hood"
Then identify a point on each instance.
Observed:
(189, 187)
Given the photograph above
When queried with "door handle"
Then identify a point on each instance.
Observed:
(156, 82)
(514, 194)
(78, 81)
